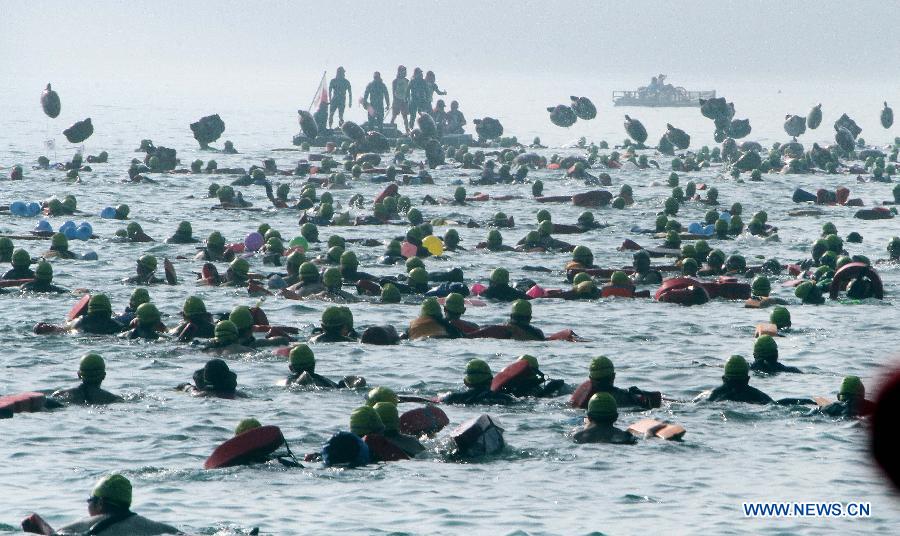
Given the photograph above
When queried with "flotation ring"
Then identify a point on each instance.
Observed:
(610, 291)
(79, 308)
(382, 450)
(582, 395)
(519, 369)
(6, 283)
(22, 403)
(427, 420)
(728, 288)
(389, 191)
(855, 270)
(252, 444)
(478, 436)
(682, 290)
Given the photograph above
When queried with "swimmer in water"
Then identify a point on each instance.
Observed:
(602, 414)
(91, 372)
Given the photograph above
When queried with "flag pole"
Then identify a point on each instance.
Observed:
(318, 90)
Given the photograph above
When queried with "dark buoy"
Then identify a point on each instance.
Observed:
(308, 124)
(583, 108)
(844, 121)
(678, 137)
(353, 131)
(79, 132)
(814, 117)
(488, 128)
(207, 130)
(844, 139)
(739, 128)
(794, 125)
(427, 125)
(50, 102)
(887, 115)
(562, 116)
(636, 130)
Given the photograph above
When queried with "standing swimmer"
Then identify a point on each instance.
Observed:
(377, 96)
(418, 95)
(400, 89)
(339, 93)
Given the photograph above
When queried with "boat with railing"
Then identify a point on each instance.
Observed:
(660, 94)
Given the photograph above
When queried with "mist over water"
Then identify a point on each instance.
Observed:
(147, 70)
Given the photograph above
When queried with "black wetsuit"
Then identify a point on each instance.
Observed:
(477, 395)
(504, 293)
(739, 392)
(19, 273)
(42, 286)
(770, 367)
(603, 433)
(97, 324)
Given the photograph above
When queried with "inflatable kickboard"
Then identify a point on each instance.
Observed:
(428, 420)
(510, 373)
(654, 428)
(245, 447)
(79, 308)
(6, 283)
(479, 436)
(21, 403)
(582, 395)
(382, 450)
(170, 272)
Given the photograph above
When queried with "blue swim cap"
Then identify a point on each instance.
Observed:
(108, 213)
(725, 216)
(18, 208)
(68, 229)
(695, 228)
(344, 448)
(90, 256)
(43, 226)
(33, 209)
(84, 231)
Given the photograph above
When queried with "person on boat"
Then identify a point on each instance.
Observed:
(91, 372)
(478, 378)
(431, 323)
(390, 418)
(851, 402)
(340, 94)
(439, 114)
(196, 322)
(455, 119)
(518, 328)
(418, 95)
(376, 95)
(736, 384)
(225, 341)
(215, 379)
(148, 325)
(43, 280)
(499, 289)
(183, 234)
(765, 357)
(400, 91)
(454, 307)
(602, 414)
(98, 319)
(334, 328)
(432, 88)
(533, 382)
(602, 377)
(21, 266)
(109, 511)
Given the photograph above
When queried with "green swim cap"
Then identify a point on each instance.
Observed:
(761, 286)
(583, 255)
(580, 277)
(147, 262)
(240, 266)
(390, 293)
(459, 195)
(455, 303)
(302, 359)
(184, 229)
(215, 240)
(851, 387)
(543, 215)
(381, 394)
(431, 308)
(245, 425)
(521, 308)
(92, 368)
(275, 245)
(294, 260)
(619, 278)
(59, 242)
(308, 271)
(414, 216)
(332, 278)
(389, 416)
(225, 193)
(602, 368)
(336, 240)
(500, 218)
(478, 373)
(21, 258)
(133, 229)
(418, 276)
(412, 263)
(834, 243)
(818, 249)
(147, 314)
(587, 217)
(334, 254)
(765, 349)
(737, 368)
(602, 407)
(241, 317)
(689, 267)
(99, 303)
(348, 258)
(500, 276)
(781, 317)
(226, 332)
(139, 296)
(43, 271)
(310, 232)
(828, 228)
(545, 228)
(532, 361)
(364, 421)
(494, 238)
(114, 489)
(716, 258)
(193, 306)
(332, 317)
(803, 290)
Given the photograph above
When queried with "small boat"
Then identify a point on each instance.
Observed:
(659, 94)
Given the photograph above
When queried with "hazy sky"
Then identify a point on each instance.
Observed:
(239, 39)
